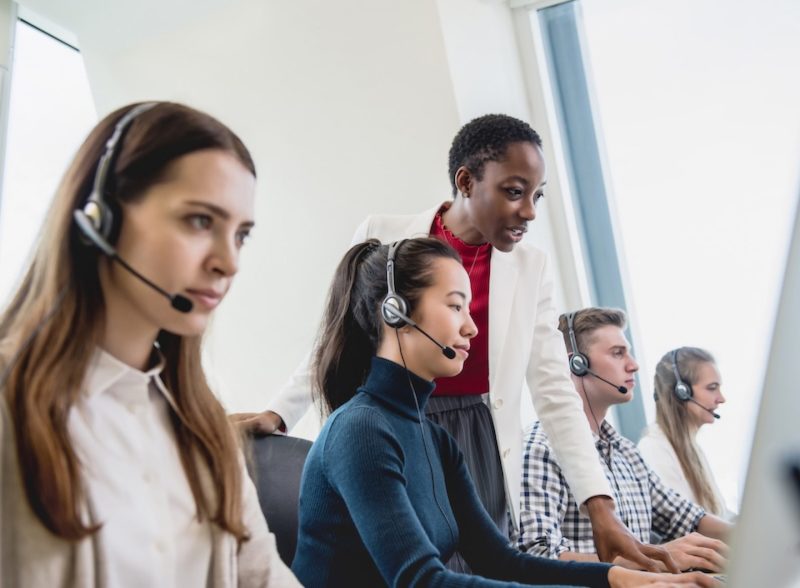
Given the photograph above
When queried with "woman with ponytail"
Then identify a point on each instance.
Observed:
(386, 497)
(670, 444)
(117, 464)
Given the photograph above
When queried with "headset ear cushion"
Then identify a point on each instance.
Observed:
(579, 364)
(683, 391)
(395, 301)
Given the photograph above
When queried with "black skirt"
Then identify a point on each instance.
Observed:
(469, 421)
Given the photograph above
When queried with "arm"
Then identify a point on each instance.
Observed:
(364, 463)
(713, 526)
(560, 409)
(545, 498)
(288, 407)
(487, 551)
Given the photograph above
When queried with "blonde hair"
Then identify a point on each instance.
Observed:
(671, 416)
(54, 323)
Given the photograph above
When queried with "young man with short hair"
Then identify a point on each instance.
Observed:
(552, 524)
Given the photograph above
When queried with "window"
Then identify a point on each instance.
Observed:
(50, 112)
(692, 108)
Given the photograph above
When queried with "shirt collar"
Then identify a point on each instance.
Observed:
(389, 382)
(106, 372)
(608, 436)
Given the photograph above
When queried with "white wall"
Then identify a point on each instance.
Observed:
(349, 108)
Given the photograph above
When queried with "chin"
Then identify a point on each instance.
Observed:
(503, 246)
(190, 326)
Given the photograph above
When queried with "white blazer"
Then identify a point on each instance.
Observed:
(524, 346)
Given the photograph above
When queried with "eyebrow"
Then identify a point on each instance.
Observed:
(457, 293)
(219, 211)
(525, 181)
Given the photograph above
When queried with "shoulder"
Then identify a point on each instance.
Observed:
(537, 445)
(390, 227)
(654, 444)
(358, 426)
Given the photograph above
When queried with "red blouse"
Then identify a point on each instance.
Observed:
(474, 378)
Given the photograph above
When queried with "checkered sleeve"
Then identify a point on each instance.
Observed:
(673, 515)
(545, 498)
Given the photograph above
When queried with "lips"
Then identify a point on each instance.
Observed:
(462, 349)
(206, 297)
(517, 232)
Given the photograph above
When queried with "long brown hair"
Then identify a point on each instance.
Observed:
(352, 326)
(672, 417)
(54, 322)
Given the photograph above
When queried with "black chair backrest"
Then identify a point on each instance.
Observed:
(277, 464)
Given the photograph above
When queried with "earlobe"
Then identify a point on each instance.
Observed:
(463, 181)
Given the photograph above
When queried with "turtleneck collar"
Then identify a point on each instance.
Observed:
(388, 382)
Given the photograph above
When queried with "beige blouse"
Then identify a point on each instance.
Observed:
(31, 556)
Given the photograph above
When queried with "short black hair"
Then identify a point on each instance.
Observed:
(486, 138)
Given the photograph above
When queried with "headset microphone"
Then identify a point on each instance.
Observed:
(714, 414)
(448, 352)
(88, 230)
(621, 389)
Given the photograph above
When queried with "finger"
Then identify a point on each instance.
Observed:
(659, 554)
(711, 559)
(707, 542)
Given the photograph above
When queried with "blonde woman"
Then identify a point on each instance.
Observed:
(688, 391)
(118, 466)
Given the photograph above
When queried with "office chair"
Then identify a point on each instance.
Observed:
(276, 466)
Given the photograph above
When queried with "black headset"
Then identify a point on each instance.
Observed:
(683, 391)
(393, 299)
(96, 218)
(578, 362)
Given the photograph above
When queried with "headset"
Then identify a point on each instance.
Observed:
(96, 221)
(97, 210)
(578, 362)
(394, 308)
(683, 391)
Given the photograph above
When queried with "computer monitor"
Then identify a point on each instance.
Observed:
(765, 547)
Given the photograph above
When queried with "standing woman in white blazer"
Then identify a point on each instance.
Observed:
(497, 172)
(118, 466)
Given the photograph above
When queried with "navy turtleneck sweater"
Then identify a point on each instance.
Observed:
(375, 511)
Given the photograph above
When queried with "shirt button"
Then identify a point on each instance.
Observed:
(498, 403)
(506, 453)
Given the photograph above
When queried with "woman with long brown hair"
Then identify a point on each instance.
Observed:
(688, 390)
(118, 464)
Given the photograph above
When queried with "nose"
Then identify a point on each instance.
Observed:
(721, 399)
(224, 259)
(634, 365)
(528, 208)
(469, 329)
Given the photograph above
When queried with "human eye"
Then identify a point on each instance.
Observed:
(199, 221)
(538, 196)
(242, 236)
(514, 193)
(456, 307)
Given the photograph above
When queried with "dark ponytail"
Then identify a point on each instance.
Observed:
(352, 326)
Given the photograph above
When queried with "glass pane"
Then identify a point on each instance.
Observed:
(50, 113)
(697, 101)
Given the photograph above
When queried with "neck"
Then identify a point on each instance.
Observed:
(126, 336)
(389, 349)
(457, 219)
(598, 410)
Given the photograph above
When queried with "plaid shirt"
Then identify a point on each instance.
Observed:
(550, 521)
